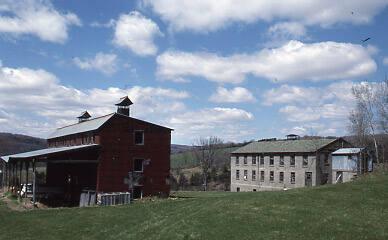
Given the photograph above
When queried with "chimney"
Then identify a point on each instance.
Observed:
(123, 106)
(84, 117)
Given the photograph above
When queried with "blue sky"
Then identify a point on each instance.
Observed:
(254, 70)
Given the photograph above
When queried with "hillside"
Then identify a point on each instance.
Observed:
(355, 210)
(16, 143)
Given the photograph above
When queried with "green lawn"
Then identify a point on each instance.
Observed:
(357, 210)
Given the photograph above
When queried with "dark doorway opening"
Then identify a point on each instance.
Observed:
(137, 192)
(308, 179)
(339, 177)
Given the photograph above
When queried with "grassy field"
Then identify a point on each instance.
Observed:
(187, 160)
(357, 210)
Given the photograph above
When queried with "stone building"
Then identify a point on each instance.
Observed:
(272, 164)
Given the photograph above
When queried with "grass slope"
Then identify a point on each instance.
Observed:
(357, 210)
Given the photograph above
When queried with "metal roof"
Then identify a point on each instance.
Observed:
(46, 151)
(285, 146)
(347, 151)
(86, 126)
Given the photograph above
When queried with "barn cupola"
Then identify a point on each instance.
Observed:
(123, 106)
(84, 117)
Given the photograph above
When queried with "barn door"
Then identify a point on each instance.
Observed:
(308, 179)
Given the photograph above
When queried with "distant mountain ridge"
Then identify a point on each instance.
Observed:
(17, 143)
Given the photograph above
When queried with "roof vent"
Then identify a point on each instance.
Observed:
(123, 106)
(84, 117)
(292, 137)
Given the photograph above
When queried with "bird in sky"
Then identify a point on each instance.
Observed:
(367, 39)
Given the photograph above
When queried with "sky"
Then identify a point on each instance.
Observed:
(252, 70)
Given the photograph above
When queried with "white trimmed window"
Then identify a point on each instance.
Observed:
(139, 137)
(138, 165)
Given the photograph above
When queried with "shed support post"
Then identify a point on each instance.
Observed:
(27, 168)
(33, 183)
(20, 179)
(9, 175)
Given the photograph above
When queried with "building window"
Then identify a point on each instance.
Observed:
(261, 176)
(237, 174)
(262, 160)
(245, 175)
(237, 160)
(271, 176)
(245, 160)
(139, 137)
(238, 189)
(253, 175)
(271, 161)
(281, 161)
(138, 165)
(292, 179)
(253, 160)
(292, 161)
(281, 177)
(305, 161)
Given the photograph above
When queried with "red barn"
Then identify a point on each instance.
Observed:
(111, 153)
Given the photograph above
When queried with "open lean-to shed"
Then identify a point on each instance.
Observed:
(348, 163)
(108, 154)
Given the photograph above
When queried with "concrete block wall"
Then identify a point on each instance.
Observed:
(249, 184)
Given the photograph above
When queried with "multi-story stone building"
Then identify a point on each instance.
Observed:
(282, 164)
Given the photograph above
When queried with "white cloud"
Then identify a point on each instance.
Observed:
(102, 62)
(287, 30)
(319, 110)
(210, 15)
(227, 123)
(385, 61)
(325, 61)
(34, 101)
(135, 32)
(36, 17)
(235, 95)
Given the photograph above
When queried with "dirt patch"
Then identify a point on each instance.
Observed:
(19, 205)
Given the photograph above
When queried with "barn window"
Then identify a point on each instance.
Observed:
(261, 176)
(139, 137)
(253, 175)
(305, 161)
(281, 177)
(237, 174)
(253, 160)
(237, 160)
(292, 180)
(271, 161)
(262, 160)
(245, 175)
(292, 161)
(245, 160)
(271, 176)
(138, 165)
(281, 161)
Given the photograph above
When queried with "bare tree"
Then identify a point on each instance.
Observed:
(206, 150)
(381, 102)
(371, 113)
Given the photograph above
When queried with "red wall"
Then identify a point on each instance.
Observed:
(119, 151)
